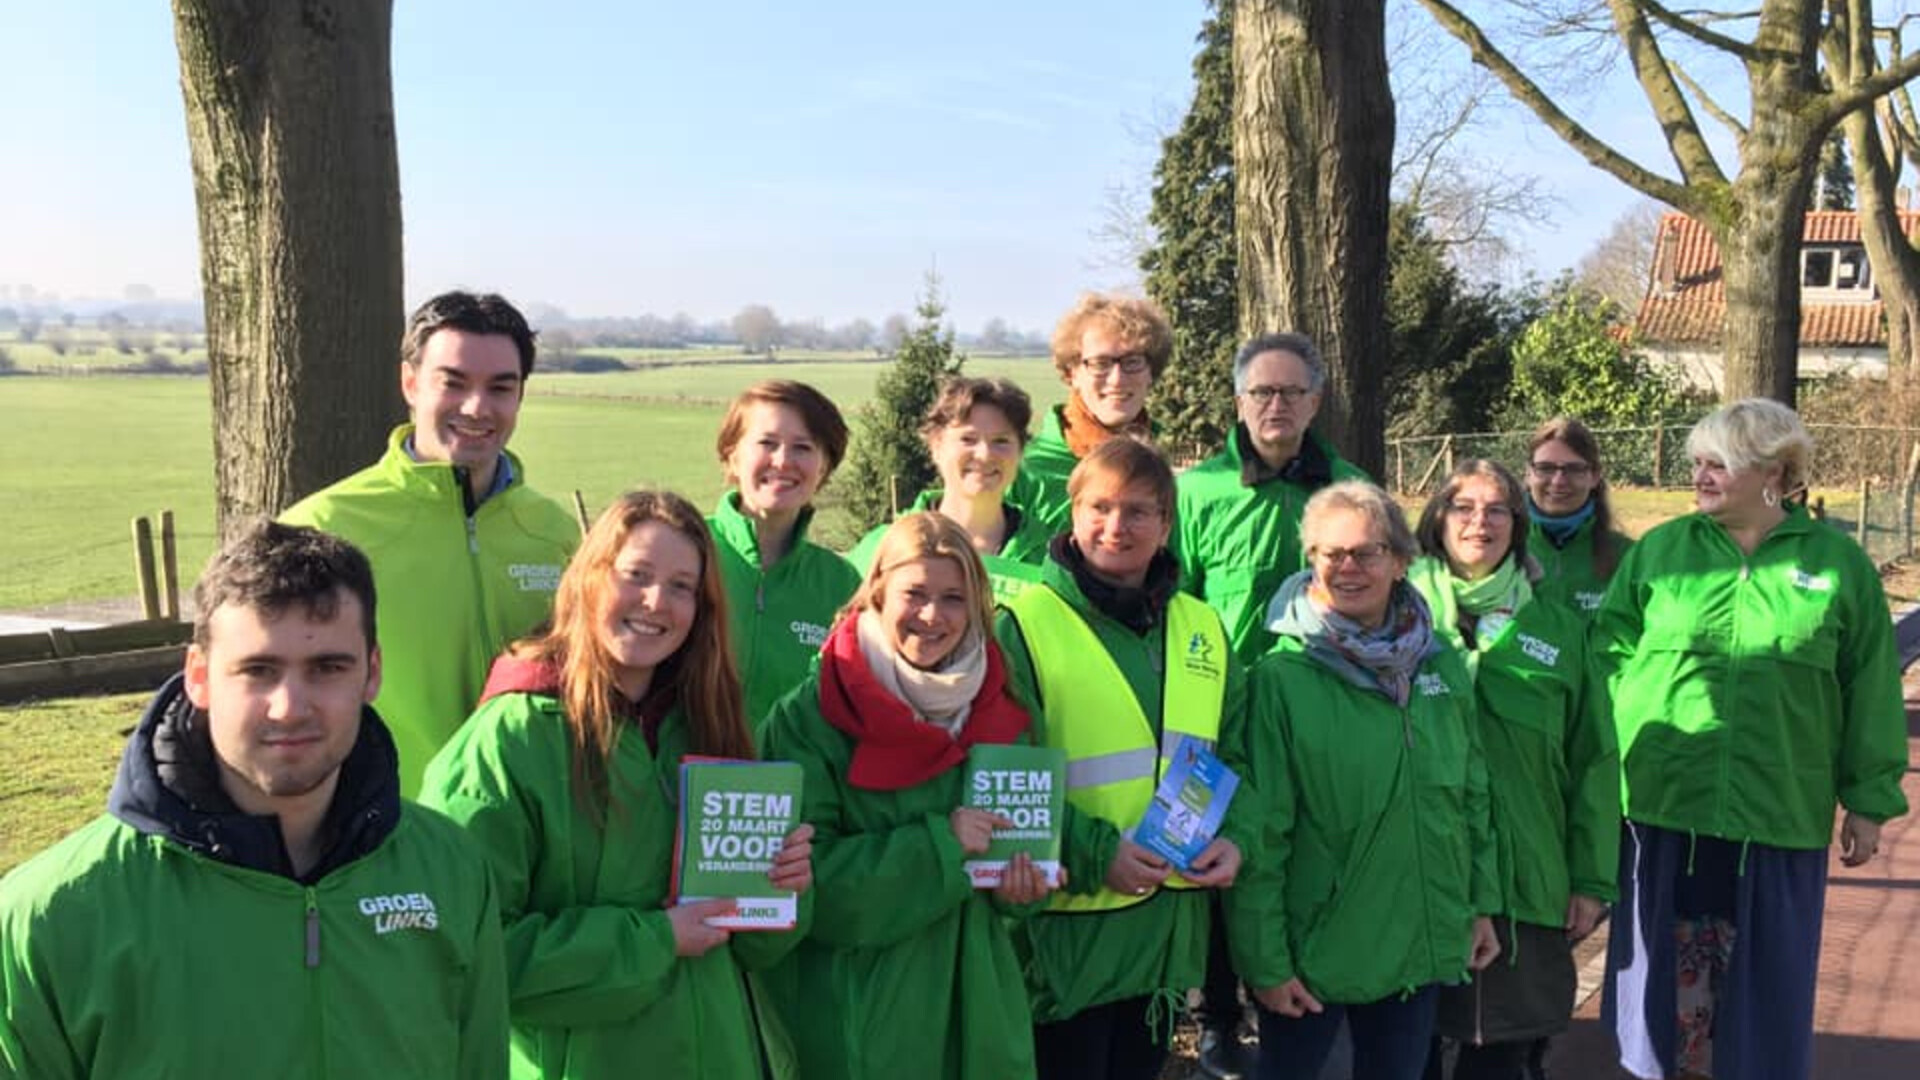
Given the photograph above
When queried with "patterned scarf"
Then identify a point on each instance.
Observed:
(1382, 659)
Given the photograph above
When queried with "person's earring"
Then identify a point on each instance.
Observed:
(1767, 496)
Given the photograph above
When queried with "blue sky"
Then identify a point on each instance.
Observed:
(615, 158)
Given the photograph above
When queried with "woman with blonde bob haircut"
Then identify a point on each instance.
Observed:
(565, 775)
(1756, 687)
(1372, 877)
(910, 970)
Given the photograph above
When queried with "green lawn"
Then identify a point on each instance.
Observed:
(61, 757)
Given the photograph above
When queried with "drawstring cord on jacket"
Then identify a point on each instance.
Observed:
(1163, 1012)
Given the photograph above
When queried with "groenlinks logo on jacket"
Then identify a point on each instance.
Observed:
(1810, 582)
(1546, 653)
(1431, 685)
(535, 577)
(810, 634)
(1199, 657)
(400, 911)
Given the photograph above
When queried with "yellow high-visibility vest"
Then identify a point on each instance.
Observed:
(1113, 761)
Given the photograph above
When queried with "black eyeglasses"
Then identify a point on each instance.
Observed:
(1288, 395)
(1572, 470)
(1130, 364)
(1365, 556)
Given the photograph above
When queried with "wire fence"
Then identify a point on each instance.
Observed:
(1864, 479)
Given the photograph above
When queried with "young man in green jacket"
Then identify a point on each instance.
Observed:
(466, 554)
(258, 901)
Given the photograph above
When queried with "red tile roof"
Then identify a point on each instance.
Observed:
(1694, 309)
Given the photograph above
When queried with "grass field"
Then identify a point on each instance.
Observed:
(61, 757)
(86, 455)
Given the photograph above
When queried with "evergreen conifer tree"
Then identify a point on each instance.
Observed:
(888, 459)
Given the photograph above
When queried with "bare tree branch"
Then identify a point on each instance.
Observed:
(1840, 102)
(1696, 30)
(1727, 119)
(1664, 96)
(1590, 146)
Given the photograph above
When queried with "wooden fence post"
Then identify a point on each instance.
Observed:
(1866, 511)
(580, 512)
(143, 568)
(1659, 457)
(169, 569)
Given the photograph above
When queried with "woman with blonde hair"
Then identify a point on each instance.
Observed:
(1755, 688)
(976, 431)
(567, 776)
(1552, 765)
(909, 970)
(779, 443)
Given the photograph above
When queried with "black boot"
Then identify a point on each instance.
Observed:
(1224, 1055)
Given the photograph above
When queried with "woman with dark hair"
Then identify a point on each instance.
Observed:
(909, 969)
(779, 443)
(1571, 532)
(1117, 667)
(1756, 689)
(567, 776)
(1372, 878)
(976, 432)
(1552, 766)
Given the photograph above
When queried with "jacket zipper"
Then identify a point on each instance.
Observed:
(313, 929)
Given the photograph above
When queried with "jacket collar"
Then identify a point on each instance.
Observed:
(169, 786)
(439, 478)
(733, 529)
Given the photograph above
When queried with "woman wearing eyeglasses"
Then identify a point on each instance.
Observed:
(1372, 876)
(1552, 766)
(1108, 350)
(1756, 689)
(1572, 534)
(1115, 666)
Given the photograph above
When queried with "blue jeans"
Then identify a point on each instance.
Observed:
(1390, 1039)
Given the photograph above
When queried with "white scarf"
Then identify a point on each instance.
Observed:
(942, 698)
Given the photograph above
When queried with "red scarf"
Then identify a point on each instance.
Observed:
(892, 748)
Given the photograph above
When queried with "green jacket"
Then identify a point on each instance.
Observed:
(170, 939)
(1552, 764)
(909, 971)
(1236, 543)
(1567, 572)
(1375, 850)
(595, 987)
(1041, 487)
(1014, 567)
(779, 617)
(453, 589)
(1751, 693)
(1076, 961)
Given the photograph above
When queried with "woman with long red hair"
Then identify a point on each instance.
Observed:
(567, 775)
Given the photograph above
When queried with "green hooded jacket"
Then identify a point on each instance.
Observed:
(909, 970)
(595, 988)
(1553, 767)
(1375, 850)
(1014, 567)
(1078, 960)
(453, 590)
(1567, 572)
(778, 617)
(1236, 543)
(1753, 692)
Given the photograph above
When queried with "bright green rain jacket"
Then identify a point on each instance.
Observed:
(1014, 567)
(1078, 960)
(1753, 692)
(1552, 764)
(1567, 572)
(1375, 849)
(909, 970)
(1236, 543)
(780, 616)
(1041, 487)
(453, 590)
(595, 989)
(158, 942)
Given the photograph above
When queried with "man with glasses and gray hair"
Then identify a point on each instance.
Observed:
(1237, 537)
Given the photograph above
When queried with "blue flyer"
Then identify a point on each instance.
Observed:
(1189, 804)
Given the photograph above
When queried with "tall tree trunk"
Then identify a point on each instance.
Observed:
(1760, 259)
(296, 177)
(1313, 158)
(1895, 262)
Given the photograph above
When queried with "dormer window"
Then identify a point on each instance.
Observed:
(1836, 272)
